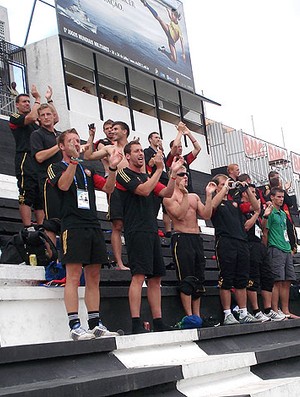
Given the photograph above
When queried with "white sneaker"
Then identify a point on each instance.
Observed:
(230, 320)
(81, 334)
(275, 316)
(101, 330)
(262, 317)
(283, 314)
(248, 319)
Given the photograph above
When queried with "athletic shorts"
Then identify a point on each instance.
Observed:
(233, 259)
(144, 254)
(261, 276)
(188, 255)
(51, 201)
(84, 245)
(27, 181)
(115, 208)
(282, 265)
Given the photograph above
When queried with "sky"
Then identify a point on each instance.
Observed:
(244, 56)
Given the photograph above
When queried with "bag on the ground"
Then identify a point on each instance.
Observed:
(28, 242)
(189, 322)
(55, 273)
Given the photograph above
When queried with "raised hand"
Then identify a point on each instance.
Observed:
(211, 188)
(176, 165)
(35, 93)
(158, 160)
(115, 158)
(49, 93)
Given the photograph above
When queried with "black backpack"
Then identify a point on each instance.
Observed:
(28, 242)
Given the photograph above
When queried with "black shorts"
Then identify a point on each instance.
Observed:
(115, 207)
(188, 255)
(85, 245)
(52, 202)
(233, 259)
(261, 275)
(144, 254)
(27, 181)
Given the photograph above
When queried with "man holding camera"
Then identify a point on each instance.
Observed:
(232, 249)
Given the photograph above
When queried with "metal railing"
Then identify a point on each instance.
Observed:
(7, 103)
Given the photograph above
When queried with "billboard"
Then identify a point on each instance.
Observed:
(147, 34)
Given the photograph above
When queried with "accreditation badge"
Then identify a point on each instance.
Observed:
(83, 201)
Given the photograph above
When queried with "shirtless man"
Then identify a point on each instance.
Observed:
(107, 141)
(121, 132)
(187, 244)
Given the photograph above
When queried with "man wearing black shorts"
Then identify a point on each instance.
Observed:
(156, 144)
(260, 275)
(121, 132)
(232, 250)
(45, 152)
(82, 239)
(140, 227)
(187, 244)
(22, 124)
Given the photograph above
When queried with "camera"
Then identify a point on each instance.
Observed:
(239, 186)
(91, 126)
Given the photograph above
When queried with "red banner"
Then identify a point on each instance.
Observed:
(295, 158)
(254, 147)
(276, 153)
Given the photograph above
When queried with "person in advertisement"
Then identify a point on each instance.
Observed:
(172, 31)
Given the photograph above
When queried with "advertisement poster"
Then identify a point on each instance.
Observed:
(148, 34)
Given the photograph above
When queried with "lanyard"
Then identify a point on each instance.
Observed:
(75, 179)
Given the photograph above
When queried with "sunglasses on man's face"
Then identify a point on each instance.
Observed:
(181, 174)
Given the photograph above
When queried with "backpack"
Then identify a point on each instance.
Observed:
(28, 241)
(189, 322)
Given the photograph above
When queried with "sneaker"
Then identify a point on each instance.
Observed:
(162, 48)
(280, 312)
(101, 330)
(230, 320)
(248, 319)
(81, 334)
(262, 317)
(275, 316)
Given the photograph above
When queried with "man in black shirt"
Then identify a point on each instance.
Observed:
(45, 151)
(22, 124)
(260, 275)
(232, 250)
(83, 244)
(156, 144)
(140, 227)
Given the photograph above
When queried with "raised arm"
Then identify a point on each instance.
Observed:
(33, 115)
(205, 211)
(114, 159)
(144, 189)
(221, 194)
(175, 167)
(50, 102)
(194, 141)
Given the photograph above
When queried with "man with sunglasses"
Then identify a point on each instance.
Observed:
(187, 244)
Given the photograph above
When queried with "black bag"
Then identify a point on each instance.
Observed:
(28, 242)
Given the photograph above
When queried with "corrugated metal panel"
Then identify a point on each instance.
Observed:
(219, 156)
(227, 146)
(258, 169)
(234, 142)
(215, 134)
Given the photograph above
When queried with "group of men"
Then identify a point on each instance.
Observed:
(60, 187)
(253, 247)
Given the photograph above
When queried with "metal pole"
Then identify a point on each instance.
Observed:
(30, 21)
(253, 127)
